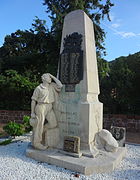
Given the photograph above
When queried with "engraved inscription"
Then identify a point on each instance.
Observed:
(69, 123)
(68, 132)
(65, 66)
(70, 88)
(74, 67)
(70, 71)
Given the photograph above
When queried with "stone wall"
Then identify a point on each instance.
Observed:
(131, 122)
(17, 116)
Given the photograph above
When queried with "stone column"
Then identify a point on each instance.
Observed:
(80, 112)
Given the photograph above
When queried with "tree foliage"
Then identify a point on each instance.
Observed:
(16, 90)
(95, 9)
(29, 50)
(120, 90)
(26, 42)
(25, 55)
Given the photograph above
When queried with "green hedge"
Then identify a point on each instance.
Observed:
(16, 90)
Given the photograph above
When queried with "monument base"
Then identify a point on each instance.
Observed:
(104, 162)
(51, 137)
(77, 155)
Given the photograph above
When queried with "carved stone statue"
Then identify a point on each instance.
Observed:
(105, 141)
(42, 108)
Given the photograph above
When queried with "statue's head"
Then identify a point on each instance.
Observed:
(46, 77)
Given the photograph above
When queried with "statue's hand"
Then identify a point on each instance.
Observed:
(51, 75)
(33, 120)
(33, 115)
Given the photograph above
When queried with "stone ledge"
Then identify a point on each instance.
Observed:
(77, 155)
(104, 162)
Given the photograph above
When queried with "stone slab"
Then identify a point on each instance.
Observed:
(77, 155)
(104, 162)
(52, 137)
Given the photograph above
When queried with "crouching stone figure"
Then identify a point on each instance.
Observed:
(42, 108)
(105, 141)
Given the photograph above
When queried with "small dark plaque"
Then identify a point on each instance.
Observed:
(119, 133)
(71, 60)
(72, 144)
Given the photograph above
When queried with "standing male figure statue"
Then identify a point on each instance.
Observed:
(42, 108)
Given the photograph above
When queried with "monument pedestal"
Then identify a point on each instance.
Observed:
(104, 162)
(51, 137)
(91, 118)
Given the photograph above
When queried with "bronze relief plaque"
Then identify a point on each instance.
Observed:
(72, 144)
(71, 61)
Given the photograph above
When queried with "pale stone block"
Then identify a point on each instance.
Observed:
(52, 137)
(105, 140)
(82, 107)
(77, 155)
(92, 111)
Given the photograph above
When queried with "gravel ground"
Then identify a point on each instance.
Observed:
(14, 165)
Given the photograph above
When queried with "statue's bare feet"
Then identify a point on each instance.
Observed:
(40, 146)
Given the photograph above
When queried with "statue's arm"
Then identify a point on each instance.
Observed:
(34, 102)
(33, 105)
(59, 84)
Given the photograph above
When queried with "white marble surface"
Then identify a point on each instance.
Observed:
(82, 112)
(42, 107)
(105, 140)
(14, 165)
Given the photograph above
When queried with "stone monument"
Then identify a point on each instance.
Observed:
(82, 145)
(81, 113)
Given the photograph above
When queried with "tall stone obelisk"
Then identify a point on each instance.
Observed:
(80, 110)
